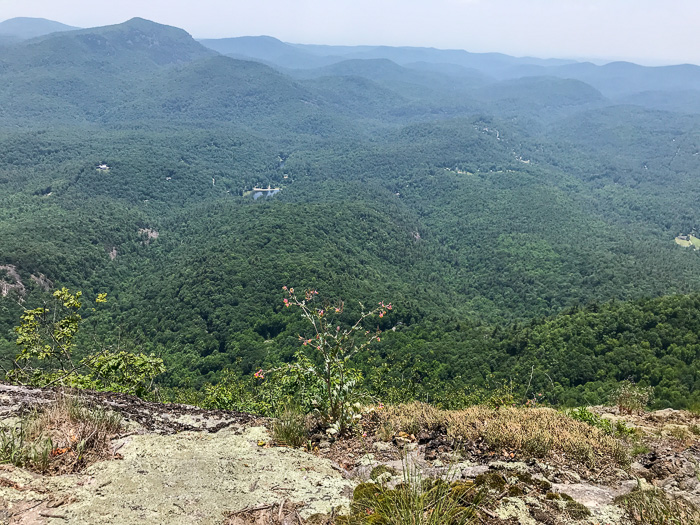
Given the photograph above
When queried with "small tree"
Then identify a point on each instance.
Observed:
(336, 385)
(46, 340)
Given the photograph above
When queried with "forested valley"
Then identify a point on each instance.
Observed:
(519, 214)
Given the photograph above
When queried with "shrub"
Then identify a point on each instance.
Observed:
(324, 377)
(631, 398)
(46, 340)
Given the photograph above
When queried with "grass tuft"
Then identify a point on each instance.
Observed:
(63, 437)
(655, 507)
(416, 501)
(290, 428)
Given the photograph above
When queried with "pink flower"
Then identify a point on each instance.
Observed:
(381, 314)
(286, 303)
(284, 288)
(259, 374)
(378, 339)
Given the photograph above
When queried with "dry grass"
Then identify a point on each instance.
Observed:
(63, 437)
(531, 432)
(655, 507)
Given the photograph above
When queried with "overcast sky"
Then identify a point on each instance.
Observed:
(644, 31)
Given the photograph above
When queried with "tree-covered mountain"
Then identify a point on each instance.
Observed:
(477, 204)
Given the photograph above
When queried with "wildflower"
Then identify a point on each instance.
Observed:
(259, 374)
(291, 290)
(381, 314)
(380, 406)
(378, 339)
(286, 303)
(364, 434)
(284, 288)
(320, 313)
(337, 329)
(337, 310)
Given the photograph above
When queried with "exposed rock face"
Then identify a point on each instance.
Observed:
(148, 235)
(10, 280)
(178, 465)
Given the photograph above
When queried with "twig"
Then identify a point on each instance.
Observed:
(532, 371)
(606, 467)
(279, 514)
(253, 509)
(50, 515)
(277, 487)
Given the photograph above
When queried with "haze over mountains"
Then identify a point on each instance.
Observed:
(471, 190)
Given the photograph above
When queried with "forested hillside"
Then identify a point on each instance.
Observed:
(522, 225)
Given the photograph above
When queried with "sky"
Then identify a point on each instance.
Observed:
(650, 32)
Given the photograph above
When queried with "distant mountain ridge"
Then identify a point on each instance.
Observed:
(24, 28)
(615, 79)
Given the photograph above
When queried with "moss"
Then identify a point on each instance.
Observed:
(463, 492)
(552, 496)
(577, 510)
(491, 480)
(515, 491)
(365, 492)
(566, 497)
(381, 469)
(527, 479)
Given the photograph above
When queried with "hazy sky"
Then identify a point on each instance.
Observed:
(644, 31)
